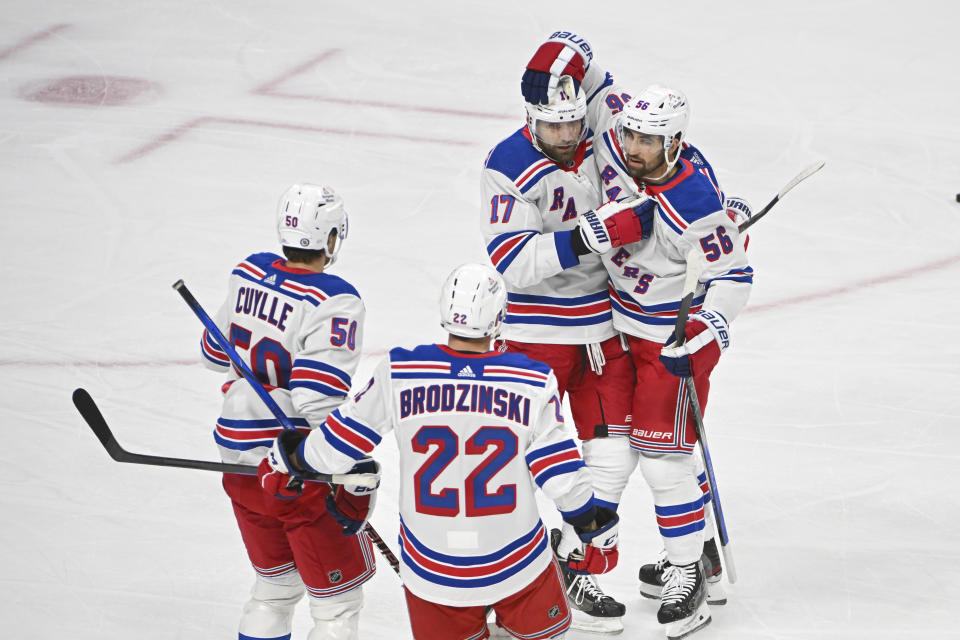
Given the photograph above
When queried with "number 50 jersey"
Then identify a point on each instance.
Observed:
(476, 434)
(297, 330)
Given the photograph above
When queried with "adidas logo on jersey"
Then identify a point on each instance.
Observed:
(466, 372)
(271, 279)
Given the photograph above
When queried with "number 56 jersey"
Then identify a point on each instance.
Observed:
(476, 433)
(300, 332)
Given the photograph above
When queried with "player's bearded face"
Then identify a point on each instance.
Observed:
(560, 140)
(643, 153)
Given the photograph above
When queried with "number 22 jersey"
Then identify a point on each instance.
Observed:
(476, 433)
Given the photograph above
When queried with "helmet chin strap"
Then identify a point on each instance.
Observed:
(668, 164)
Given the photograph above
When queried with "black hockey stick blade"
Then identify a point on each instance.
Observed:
(94, 418)
(98, 424)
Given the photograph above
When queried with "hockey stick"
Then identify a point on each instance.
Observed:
(800, 177)
(181, 288)
(694, 269)
(94, 418)
(235, 358)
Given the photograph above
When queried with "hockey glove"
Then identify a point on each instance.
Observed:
(351, 506)
(707, 336)
(739, 210)
(600, 554)
(278, 476)
(633, 224)
(564, 54)
(593, 226)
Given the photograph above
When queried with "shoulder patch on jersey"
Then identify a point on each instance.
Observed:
(514, 156)
(421, 352)
(262, 260)
(688, 200)
(522, 361)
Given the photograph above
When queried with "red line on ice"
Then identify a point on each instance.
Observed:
(33, 39)
(829, 293)
(180, 131)
(269, 89)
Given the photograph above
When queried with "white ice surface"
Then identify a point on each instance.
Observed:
(833, 418)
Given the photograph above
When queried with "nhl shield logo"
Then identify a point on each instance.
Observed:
(335, 576)
(553, 612)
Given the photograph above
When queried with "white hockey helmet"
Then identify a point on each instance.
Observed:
(473, 301)
(657, 111)
(568, 103)
(306, 215)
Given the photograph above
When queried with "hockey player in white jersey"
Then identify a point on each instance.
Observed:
(646, 282)
(536, 186)
(300, 330)
(477, 432)
(621, 173)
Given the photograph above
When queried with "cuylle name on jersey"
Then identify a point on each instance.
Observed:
(465, 398)
(253, 302)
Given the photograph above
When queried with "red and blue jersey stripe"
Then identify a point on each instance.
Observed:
(320, 377)
(553, 460)
(652, 314)
(467, 572)
(505, 248)
(349, 436)
(585, 310)
(243, 435)
(212, 351)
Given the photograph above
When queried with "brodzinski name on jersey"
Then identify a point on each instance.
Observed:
(470, 529)
(532, 205)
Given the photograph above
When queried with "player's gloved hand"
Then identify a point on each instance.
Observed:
(707, 336)
(565, 53)
(351, 506)
(593, 227)
(600, 553)
(633, 224)
(739, 210)
(278, 476)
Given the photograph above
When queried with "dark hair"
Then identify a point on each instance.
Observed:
(302, 255)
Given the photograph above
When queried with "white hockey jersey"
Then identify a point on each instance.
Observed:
(531, 205)
(300, 332)
(475, 433)
(647, 276)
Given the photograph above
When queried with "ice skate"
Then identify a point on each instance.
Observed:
(651, 575)
(592, 610)
(683, 602)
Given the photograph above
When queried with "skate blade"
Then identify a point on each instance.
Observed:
(716, 595)
(687, 626)
(592, 624)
